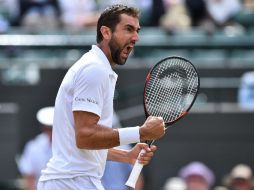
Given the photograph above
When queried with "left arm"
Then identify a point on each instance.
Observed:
(130, 156)
(30, 182)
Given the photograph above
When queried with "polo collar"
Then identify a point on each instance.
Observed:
(100, 53)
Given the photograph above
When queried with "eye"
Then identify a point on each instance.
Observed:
(129, 29)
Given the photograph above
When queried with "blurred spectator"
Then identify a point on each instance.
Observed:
(176, 17)
(116, 174)
(174, 183)
(240, 178)
(145, 6)
(246, 91)
(157, 11)
(85, 13)
(37, 151)
(221, 11)
(197, 176)
(78, 13)
(9, 10)
(248, 4)
(197, 11)
(39, 13)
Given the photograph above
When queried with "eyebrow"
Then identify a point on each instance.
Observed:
(133, 27)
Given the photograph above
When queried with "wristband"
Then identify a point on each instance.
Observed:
(129, 135)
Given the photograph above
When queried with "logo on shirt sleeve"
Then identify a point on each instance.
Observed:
(89, 100)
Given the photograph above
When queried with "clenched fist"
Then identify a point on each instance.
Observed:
(152, 129)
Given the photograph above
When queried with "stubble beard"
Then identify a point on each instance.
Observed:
(115, 50)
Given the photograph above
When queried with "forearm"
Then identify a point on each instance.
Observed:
(119, 155)
(100, 137)
(97, 137)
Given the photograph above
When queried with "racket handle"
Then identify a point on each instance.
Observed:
(136, 170)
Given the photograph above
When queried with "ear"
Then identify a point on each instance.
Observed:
(106, 32)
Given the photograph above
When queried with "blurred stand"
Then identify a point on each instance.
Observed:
(37, 151)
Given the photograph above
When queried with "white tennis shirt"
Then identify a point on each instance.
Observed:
(87, 86)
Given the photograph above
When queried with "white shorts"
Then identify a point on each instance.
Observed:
(76, 183)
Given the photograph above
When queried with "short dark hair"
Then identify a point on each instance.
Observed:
(111, 17)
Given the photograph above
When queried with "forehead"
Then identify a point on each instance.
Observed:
(129, 20)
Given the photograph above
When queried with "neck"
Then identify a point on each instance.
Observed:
(106, 50)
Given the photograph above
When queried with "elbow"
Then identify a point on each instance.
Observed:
(83, 141)
(79, 143)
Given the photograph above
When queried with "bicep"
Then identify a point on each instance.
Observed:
(84, 121)
(90, 135)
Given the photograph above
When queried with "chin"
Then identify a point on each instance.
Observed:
(121, 62)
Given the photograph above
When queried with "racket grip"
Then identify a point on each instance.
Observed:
(136, 170)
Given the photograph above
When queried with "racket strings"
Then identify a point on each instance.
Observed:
(170, 95)
(165, 91)
(175, 106)
(163, 108)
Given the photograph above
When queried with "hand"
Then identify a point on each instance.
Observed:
(145, 157)
(152, 129)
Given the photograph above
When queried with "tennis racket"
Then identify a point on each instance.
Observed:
(170, 90)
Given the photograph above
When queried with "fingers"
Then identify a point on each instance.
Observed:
(162, 122)
(144, 146)
(158, 119)
(147, 155)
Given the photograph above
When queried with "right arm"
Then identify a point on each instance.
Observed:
(90, 135)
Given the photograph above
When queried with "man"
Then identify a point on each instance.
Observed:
(37, 151)
(83, 138)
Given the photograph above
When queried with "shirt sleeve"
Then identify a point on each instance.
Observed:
(89, 87)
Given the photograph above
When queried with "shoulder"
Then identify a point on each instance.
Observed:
(92, 73)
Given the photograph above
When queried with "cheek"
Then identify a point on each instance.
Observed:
(122, 39)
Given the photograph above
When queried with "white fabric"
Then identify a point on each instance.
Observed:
(129, 135)
(88, 86)
(77, 183)
(35, 156)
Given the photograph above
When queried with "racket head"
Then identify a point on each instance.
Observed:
(171, 89)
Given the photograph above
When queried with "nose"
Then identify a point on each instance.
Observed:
(135, 37)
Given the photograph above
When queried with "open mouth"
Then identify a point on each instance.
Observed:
(127, 50)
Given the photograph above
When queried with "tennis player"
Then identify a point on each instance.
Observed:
(83, 138)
